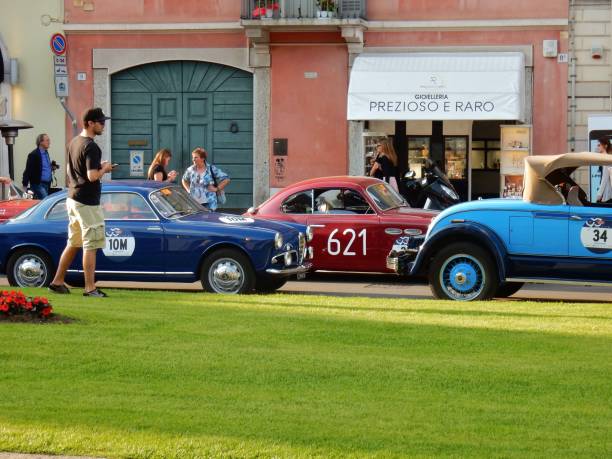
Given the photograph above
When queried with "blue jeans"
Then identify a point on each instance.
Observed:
(41, 191)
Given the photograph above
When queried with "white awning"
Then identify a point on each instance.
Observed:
(437, 86)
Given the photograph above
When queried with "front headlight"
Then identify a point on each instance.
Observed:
(449, 192)
(309, 233)
(278, 240)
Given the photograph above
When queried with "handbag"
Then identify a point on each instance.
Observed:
(221, 198)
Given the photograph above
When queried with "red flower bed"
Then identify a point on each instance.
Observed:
(17, 304)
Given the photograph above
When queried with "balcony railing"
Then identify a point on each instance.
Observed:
(303, 9)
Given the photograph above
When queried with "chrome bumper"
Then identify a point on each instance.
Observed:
(302, 269)
(403, 253)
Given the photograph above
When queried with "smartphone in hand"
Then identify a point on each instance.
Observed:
(114, 165)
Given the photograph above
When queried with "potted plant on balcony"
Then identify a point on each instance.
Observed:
(265, 8)
(326, 8)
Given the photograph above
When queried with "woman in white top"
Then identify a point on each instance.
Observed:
(604, 194)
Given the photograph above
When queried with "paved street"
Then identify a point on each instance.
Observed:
(381, 286)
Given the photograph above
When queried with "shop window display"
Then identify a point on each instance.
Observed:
(418, 151)
(515, 146)
(485, 155)
(370, 141)
(485, 161)
(455, 157)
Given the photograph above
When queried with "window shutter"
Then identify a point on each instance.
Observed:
(351, 8)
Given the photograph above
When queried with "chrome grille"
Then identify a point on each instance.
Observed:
(301, 247)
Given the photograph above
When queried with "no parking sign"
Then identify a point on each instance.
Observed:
(58, 44)
(60, 64)
(136, 163)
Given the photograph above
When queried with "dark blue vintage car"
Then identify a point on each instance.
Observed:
(490, 248)
(157, 233)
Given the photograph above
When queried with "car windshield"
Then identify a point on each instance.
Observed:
(385, 197)
(12, 191)
(174, 202)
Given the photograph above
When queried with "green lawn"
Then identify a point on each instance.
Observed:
(157, 374)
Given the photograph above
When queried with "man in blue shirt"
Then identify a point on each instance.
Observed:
(38, 174)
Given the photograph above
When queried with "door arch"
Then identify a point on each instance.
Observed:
(180, 105)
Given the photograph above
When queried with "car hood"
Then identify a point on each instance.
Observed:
(495, 205)
(238, 221)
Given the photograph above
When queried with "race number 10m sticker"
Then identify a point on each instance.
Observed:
(120, 244)
(596, 235)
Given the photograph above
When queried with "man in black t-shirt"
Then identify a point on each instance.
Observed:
(85, 216)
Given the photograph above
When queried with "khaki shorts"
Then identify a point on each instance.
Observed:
(85, 225)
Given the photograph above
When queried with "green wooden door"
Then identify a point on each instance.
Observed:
(197, 124)
(181, 105)
(167, 129)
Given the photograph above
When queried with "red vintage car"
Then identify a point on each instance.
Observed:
(13, 202)
(356, 220)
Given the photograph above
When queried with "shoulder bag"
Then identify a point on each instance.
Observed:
(221, 199)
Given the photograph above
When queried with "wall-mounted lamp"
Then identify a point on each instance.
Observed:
(596, 50)
(234, 128)
(14, 71)
(47, 19)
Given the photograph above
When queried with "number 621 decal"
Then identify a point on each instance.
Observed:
(334, 246)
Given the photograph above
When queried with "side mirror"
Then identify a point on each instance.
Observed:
(410, 175)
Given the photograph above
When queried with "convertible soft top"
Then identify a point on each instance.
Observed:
(539, 189)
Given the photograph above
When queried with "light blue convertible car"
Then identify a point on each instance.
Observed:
(490, 248)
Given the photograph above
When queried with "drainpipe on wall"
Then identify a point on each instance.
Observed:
(73, 122)
(572, 75)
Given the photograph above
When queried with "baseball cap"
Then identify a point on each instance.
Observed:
(94, 114)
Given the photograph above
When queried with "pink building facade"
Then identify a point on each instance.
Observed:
(271, 98)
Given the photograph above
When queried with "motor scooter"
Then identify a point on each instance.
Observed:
(432, 191)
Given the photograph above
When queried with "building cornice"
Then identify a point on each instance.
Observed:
(155, 27)
(318, 24)
(481, 24)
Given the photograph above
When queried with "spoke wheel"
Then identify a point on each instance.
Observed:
(29, 268)
(463, 272)
(227, 271)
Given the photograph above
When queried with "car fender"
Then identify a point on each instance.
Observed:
(13, 249)
(227, 245)
(466, 231)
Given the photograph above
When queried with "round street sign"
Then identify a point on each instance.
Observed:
(58, 44)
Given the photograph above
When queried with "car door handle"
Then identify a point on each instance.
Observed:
(153, 228)
(575, 217)
(393, 231)
(317, 226)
